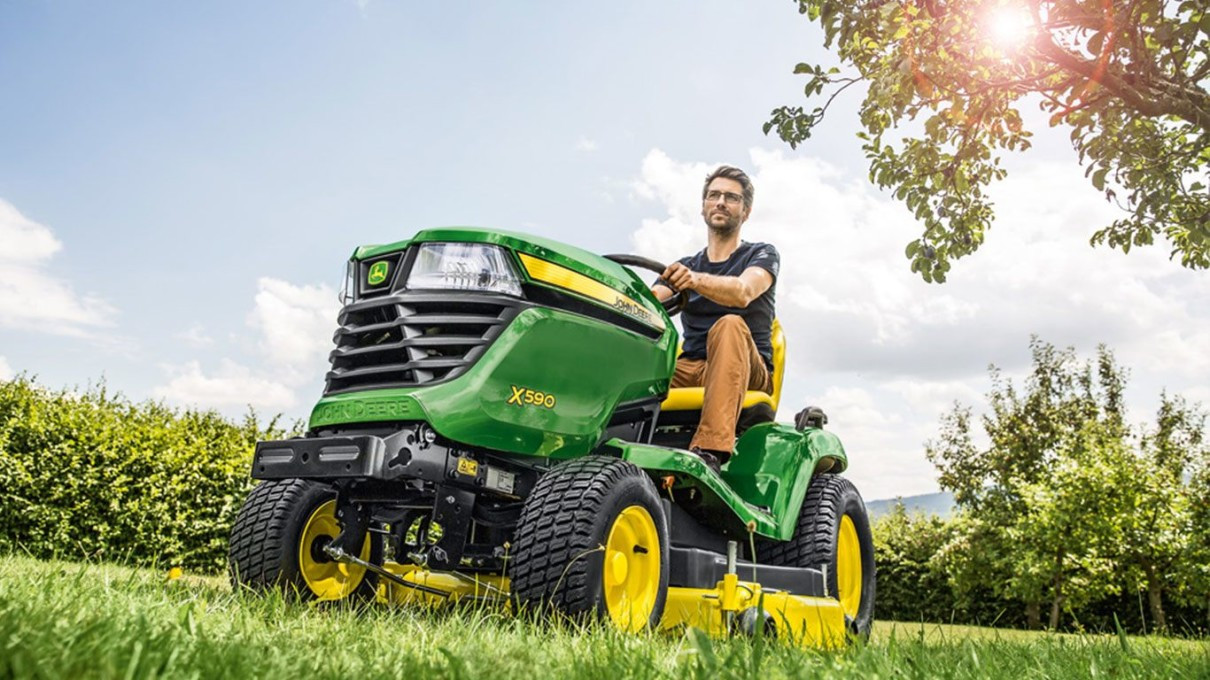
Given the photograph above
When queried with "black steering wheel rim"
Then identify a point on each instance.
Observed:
(672, 305)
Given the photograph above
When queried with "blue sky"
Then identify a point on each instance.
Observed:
(180, 185)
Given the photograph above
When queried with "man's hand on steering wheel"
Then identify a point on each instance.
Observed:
(681, 277)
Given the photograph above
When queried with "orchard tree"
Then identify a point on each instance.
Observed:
(1009, 488)
(1128, 79)
(1196, 566)
(1066, 536)
(1067, 504)
(1158, 530)
(1026, 427)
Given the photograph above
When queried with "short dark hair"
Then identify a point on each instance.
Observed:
(731, 172)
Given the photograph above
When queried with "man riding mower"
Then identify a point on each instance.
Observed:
(498, 423)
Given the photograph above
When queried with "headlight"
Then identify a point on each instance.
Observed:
(346, 288)
(464, 266)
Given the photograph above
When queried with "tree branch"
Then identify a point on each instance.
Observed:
(1196, 112)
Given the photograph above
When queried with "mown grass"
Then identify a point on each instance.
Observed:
(69, 620)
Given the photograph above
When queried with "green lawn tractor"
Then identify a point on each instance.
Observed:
(497, 425)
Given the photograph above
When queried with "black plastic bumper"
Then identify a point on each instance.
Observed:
(363, 456)
(411, 453)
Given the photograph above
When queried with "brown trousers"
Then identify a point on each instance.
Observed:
(732, 367)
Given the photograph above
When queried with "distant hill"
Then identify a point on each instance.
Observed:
(940, 504)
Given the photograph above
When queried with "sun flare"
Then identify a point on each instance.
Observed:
(1009, 27)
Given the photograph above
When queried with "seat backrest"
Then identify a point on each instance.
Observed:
(779, 361)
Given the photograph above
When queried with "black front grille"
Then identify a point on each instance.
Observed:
(414, 338)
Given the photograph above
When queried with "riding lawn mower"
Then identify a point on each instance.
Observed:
(497, 425)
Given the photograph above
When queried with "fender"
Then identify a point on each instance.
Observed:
(762, 487)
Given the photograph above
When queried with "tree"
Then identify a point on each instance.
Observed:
(1021, 491)
(1026, 430)
(1066, 536)
(1196, 566)
(1128, 78)
(1157, 531)
(1067, 504)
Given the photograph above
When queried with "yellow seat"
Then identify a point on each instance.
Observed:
(690, 398)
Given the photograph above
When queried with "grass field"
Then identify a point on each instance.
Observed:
(65, 620)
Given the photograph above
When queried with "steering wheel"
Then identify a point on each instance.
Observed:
(672, 305)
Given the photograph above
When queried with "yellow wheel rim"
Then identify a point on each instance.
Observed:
(848, 567)
(329, 580)
(631, 570)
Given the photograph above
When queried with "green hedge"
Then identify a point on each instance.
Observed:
(914, 580)
(92, 475)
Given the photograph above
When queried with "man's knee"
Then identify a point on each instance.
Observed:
(730, 322)
(728, 329)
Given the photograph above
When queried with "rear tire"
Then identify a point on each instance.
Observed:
(592, 541)
(833, 531)
(278, 539)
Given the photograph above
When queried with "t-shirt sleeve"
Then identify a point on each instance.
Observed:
(687, 261)
(766, 257)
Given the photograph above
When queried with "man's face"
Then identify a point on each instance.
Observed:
(723, 208)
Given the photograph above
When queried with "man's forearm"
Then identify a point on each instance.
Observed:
(728, 291)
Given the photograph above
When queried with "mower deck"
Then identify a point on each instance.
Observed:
(732, 606)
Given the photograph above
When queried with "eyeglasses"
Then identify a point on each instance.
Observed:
(729, 197)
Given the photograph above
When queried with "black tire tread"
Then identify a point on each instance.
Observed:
(259, 534)
(264, 539)
(555, 527)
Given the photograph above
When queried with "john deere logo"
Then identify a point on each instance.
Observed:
(378, 273)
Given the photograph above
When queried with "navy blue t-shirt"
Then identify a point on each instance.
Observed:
(701, 313)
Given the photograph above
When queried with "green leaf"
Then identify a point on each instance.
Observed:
(1152, 154)
(705, 648)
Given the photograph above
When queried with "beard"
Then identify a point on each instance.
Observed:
(725, 227)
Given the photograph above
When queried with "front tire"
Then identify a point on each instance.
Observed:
(592, 541)
(833, 532)
(278, 540)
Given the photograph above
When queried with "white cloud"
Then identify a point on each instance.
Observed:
(890, 353)
(231, 385)
(24, 240)
(195, 336)
(294, 326)
(6, 371)
(930, 399)
(586, 145)
(32, 295)
(1199, 394)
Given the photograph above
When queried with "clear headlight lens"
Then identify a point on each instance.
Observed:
(347, 288)
(464, 266)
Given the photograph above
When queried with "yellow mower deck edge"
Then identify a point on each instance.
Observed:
(810, 622)
(459, 587)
